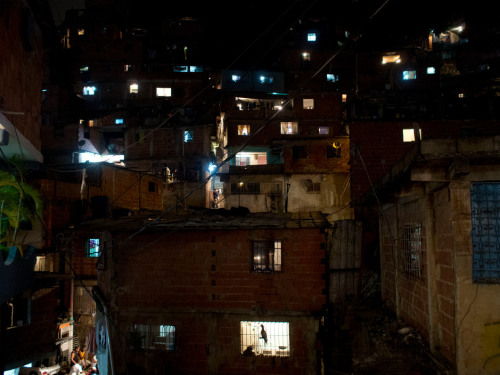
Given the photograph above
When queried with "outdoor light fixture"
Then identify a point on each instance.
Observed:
(212, 167)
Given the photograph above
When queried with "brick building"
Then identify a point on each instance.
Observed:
(189, 295)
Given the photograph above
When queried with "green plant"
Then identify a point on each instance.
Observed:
(20, 204)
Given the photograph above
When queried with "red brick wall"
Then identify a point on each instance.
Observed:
(381, 145)
(317, 160)
(201, 283)
(21, 70)
(37, 338)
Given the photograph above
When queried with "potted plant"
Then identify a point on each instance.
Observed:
(20, 205)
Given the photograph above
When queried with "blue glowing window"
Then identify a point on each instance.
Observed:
(431, 70)
(89, 90)
(93, 250)
(409, 74)
(311, 37)
(118, 121)
(188, 136)
(235, 78)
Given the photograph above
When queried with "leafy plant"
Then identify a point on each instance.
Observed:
(20, 204)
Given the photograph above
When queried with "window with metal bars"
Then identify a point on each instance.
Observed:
(245, 188)
(410, 247)
(265, 338)
(152, 337)
(83, 304)
(266, 256)
(485, 232)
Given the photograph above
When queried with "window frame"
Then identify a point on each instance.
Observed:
(249, 188)
(410, 249)
(89, 252)
(275, 344)
(289, 127)
(145, 337)
(271, 252)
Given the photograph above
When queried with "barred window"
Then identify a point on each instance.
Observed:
(152, 337)
(84, 304)
(485, 221)
(411, 249)
(265, 338)
(266, 256)
(93, 249)
(245, 188)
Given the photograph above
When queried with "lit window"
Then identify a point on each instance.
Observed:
(188, 136)
(410, 246)
(118, 121)
(409, 135)
(484, 202)
(344, 98)
(306, 56)
(266, 256)
(84, 68)
(89, 90)
(128, 68)
(461, 95)
(289, 127)
(391, 59)
(91, 123)
(311, 37)
(81, 31)
(92, 250)
(152, 337)
(265, 338)
(323, 130)
(41, 263)
(308, 103)
(245, 188)
(243, 129)
(250, 158)
(431, 70)
(164, 91)
(409, 74)
(266, 79)
(195, 69)
(332, 77)
(134, 88)
(235, 78)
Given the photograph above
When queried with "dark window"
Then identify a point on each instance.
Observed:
(410, 249)
(245, 188)
(299, 152)
(152, 187)
(485, 216)
(152, 337)
(314, 187)
(266, 256)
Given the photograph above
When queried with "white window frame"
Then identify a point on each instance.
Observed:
(269, 339)
(134, 88)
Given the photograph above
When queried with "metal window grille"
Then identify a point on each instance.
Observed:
(83, 304)
(245, 188)
(411, 249)
(41, 264)
(93, 250)
(265, 338)
(153, 337)
(266, 256)
(485, 233)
